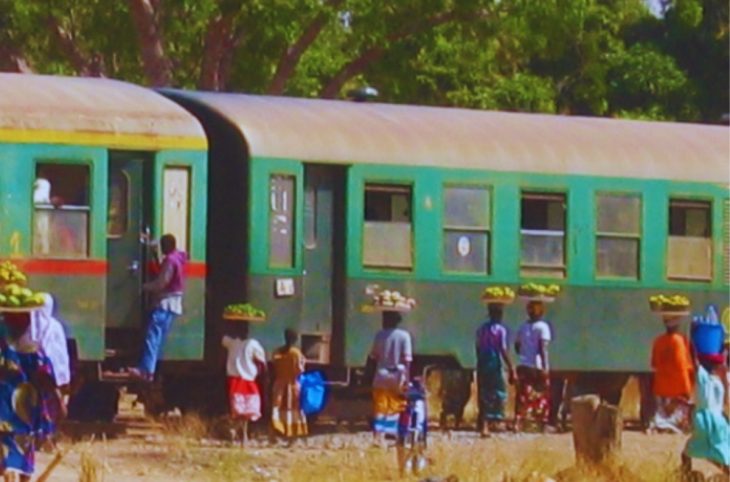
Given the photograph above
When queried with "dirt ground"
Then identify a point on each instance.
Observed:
(345, 457)
(185, 449)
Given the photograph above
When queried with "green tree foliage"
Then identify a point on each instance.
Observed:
(589, 57)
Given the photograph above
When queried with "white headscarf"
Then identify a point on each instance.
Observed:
(48, 332)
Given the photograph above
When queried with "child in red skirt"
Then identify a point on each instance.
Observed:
(246, 360)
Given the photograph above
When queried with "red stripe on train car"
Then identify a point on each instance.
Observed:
(63, 266)
(87, 267)
(195, 270)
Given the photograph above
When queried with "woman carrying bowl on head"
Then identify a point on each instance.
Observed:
(533, 371)
(492, 358)
(671, 361)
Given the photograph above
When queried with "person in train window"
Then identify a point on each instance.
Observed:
(287, 417)
(29, 398)
(167, 291)
(391, 354)
(492, 356)
(671, 360)
(246, 361)
(533, 371)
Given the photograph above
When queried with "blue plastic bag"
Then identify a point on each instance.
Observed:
(313, 392)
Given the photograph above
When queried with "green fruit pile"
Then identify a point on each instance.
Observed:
(10, 274)
(668, 303)
(501, 293)
(246, 310)
(536, 289)
(15, 296)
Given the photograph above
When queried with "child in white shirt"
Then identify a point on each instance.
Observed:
(246, 360)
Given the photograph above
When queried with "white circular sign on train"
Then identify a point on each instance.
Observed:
(463, 246)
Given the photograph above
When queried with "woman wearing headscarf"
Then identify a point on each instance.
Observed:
(671, 360)
(48, 332)
(492, 357)
(28, 397)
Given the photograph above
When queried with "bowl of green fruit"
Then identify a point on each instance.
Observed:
(539, 292)
(243, 312)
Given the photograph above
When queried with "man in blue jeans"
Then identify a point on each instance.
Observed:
(167, 300)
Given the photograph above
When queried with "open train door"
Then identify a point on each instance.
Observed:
(324, 264)
(128, 217)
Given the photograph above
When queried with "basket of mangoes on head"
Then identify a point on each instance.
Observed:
(539, 292)
(243, 312)
(664, 304)
(14, 295)
(498, 294)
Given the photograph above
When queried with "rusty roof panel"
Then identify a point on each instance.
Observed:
(91, 105)
(349, 132)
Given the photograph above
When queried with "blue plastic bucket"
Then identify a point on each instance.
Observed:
(707, 337)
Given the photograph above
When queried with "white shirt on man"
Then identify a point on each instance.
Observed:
(242, 357)
(530, 336)
(392, 348)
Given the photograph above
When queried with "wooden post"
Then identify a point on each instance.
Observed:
(597, 429)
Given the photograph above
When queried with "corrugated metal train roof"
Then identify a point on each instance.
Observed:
(348, 132)
(122, 112)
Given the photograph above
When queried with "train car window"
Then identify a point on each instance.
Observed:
(388, 240)
(176, 204)
(543, 235)
(466, 229)
(61, 211)
(118, 213)
(689, 245)
(618, 235)
(310, 217)
(281, 220)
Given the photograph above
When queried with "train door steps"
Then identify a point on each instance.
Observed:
(130, 422)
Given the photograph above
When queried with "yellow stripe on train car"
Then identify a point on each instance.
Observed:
(106, 139)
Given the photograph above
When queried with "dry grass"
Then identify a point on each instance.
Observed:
(92, 464)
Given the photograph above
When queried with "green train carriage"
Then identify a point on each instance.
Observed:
(314, 203)
(121, 161)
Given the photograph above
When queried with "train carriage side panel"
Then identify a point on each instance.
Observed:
(69, 262)
(72, 130)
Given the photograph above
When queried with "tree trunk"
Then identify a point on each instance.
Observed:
(597, 429)
(219, 29)
(289, 60)
(373, 54)
(12, 60)
(157, 67)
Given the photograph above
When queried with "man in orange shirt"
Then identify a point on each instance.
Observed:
(671, 360)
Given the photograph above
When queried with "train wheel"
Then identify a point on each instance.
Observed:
(94, 402)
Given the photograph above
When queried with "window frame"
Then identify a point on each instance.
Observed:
(189, 213)
(487, 229)
(548, 193)
(61, 160)
(294, 223)
(403, 184)
(690, 199)
(622, 236)
(126, 219)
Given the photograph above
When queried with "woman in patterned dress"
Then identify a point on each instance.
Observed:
(533, 370)
(28, 399)
(492, 356)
